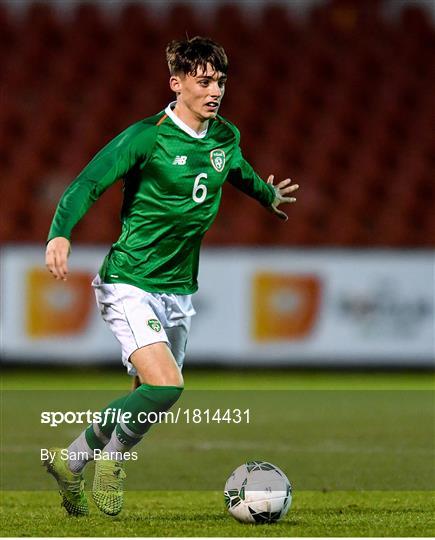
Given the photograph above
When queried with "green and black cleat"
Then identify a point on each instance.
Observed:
(108, 490)
(71, 485)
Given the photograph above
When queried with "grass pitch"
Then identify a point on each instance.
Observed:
(382, 502)
(203, 514)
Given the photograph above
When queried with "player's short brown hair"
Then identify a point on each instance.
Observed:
(187, 55)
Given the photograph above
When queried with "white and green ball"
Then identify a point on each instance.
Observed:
(258, 492)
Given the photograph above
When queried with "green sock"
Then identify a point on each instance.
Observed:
(144, 400)
(98, 435)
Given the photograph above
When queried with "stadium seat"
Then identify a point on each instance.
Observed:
(339, 101)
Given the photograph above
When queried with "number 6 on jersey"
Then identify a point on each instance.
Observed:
(199, 192)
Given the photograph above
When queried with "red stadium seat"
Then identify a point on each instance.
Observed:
(340, 101)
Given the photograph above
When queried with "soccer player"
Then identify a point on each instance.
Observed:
(173, 166)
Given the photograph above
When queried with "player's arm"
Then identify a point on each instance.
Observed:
(110, 164)
(243, 177)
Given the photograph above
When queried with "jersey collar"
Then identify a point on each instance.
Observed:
(177, 121)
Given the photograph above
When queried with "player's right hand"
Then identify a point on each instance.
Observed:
(56, 257)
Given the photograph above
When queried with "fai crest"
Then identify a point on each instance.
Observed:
(154, 324)
(217, 158)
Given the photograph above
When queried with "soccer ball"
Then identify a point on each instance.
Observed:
(258, 492)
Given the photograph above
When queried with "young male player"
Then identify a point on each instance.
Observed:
(173, 166)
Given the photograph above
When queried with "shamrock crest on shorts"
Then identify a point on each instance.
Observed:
(154, 324)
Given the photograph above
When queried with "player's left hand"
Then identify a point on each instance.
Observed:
(281, 190)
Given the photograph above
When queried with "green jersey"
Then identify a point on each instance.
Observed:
(173, 180)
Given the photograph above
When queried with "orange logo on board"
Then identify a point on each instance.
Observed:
(57, 308)
(286, 306)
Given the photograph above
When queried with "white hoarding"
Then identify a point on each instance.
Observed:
(292, 306)
(45, 319)
(258, 306)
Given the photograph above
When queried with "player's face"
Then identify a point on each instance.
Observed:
(200, 94)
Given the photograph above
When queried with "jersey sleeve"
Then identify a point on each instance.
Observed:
(109, 164)
(242, 176)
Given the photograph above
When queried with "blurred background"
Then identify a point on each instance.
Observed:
(337, 94)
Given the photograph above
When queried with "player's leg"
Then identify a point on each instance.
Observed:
(162, 367)
(149, 356)
(68, 471)
(157, 387)
(156, 365)
(161, 386)
(153, 331)
(96, 436)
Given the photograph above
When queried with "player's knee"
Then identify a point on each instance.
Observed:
(173, 395)
(170, 378)
(178, 380)
(163, 397)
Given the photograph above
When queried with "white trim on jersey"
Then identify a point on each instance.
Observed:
(181, 124)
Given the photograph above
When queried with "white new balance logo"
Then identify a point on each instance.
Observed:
(180, 160)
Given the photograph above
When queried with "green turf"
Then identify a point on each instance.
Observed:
(360, 461)
(198, 514)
